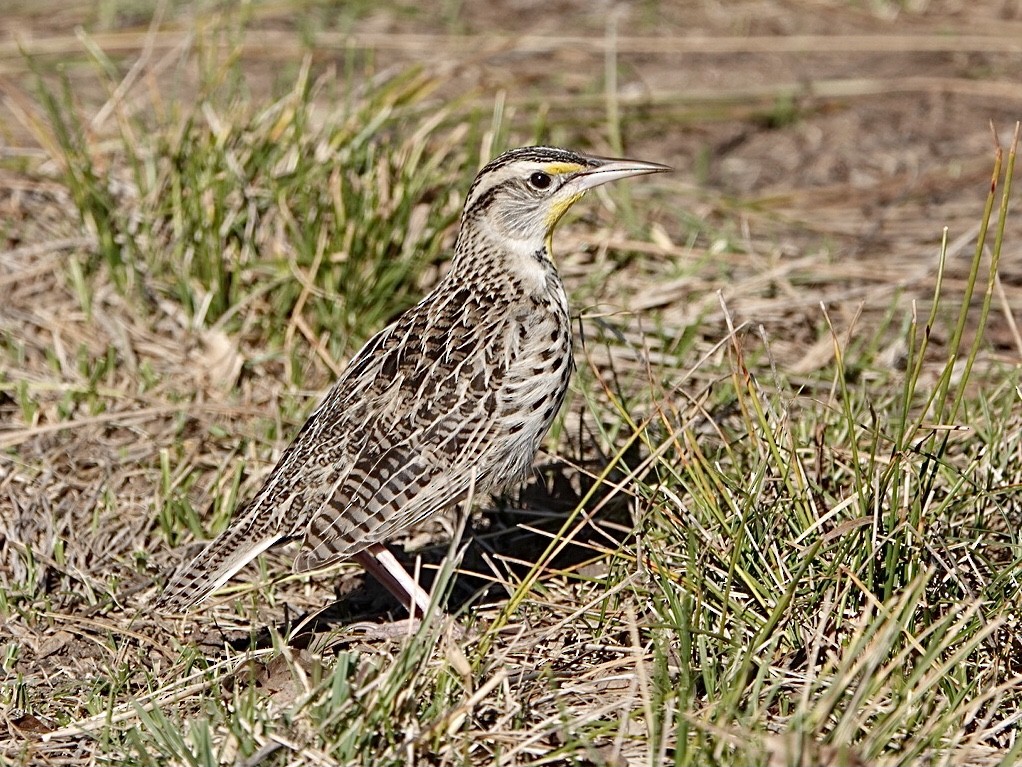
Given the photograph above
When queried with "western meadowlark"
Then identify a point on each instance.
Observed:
(451, 398)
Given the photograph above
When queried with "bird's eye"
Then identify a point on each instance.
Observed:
(540, 180)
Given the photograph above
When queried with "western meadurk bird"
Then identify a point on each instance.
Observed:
(454, 396)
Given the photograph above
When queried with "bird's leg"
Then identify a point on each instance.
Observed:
(381, 564)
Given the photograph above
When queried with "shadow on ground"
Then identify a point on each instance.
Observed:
(514, 535)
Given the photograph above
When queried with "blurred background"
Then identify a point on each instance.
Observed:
(832, 140)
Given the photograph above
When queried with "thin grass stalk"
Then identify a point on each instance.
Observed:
(955, 344)
(995, 259)
(849, 419)
(918, 354)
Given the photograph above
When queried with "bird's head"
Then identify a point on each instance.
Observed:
(521, 195)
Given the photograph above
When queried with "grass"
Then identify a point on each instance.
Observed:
(720, 560)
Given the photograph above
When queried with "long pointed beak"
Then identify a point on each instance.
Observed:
(612, 170)
(604, 169)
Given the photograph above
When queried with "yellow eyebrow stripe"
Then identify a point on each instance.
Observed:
(562, 167)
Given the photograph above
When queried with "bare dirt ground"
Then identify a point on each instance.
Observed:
(832, 140)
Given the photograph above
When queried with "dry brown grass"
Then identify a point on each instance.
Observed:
(724, 575)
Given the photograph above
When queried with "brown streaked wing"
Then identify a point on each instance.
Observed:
(391, 487)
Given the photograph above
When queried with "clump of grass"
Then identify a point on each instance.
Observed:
(822, 586)
(322, 222)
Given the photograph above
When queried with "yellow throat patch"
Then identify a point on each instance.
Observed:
(559, 208)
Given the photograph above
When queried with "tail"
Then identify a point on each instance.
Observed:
(214, 566)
